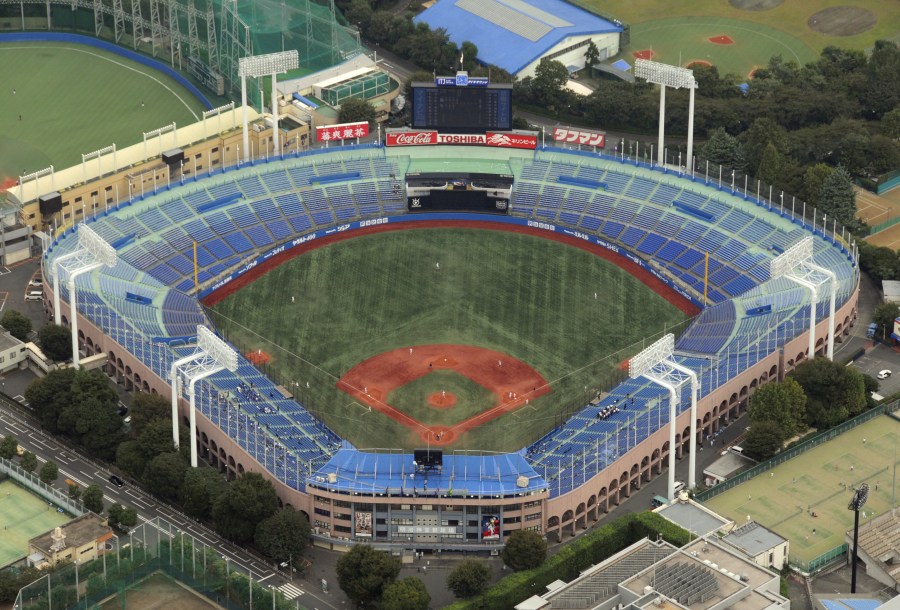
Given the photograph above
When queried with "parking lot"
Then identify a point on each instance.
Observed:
(881, 358)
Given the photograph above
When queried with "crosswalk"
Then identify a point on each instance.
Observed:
(290, 591)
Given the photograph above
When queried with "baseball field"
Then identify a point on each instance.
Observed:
(487, 338)
(805, 499)
(62, 100)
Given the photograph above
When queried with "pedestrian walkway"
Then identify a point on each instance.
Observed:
(290, 591)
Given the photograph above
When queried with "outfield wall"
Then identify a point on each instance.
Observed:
(112, 48)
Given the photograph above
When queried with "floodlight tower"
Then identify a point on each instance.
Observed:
(265, 65)
(657, 364)
(796, 264)
(211, 355)
(92, 253)
(665, 75)
(856, 503)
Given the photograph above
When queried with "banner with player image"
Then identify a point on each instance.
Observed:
(490, 527)
(363, 528)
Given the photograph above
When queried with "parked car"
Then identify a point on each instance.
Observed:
(884, 374)
(116, 480)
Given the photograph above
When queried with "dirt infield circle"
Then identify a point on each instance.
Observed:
(842, 21)
(756, 5)
(514, 383)
(442, 400)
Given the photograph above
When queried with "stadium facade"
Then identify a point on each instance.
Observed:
(143, 313)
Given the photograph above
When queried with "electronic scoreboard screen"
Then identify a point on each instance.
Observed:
(462, 109)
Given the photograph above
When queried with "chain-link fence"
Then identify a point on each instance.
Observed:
(32, 482)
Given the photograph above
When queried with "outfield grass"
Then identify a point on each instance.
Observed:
(24, 516)
(569, 314)
(75, 99)
(780, 24)
(819, 481)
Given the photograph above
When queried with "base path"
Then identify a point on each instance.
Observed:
(513, 382)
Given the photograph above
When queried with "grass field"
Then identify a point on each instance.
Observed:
(761, 33)
(24, 516)
(412, 398)
(819, 481)
(74, 99)
(565, 312)
(159, 591)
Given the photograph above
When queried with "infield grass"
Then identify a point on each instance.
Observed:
(819, 481)
(24, 516)
(573, 316)
(74, 99)
(471, 398)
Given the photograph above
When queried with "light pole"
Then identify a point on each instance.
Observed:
(857, 502)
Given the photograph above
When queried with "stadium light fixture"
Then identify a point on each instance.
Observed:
(860, 495)
(92, 253)
(211, 355)
(255, 66)
(676, 77)
(796, 264)
(657, 364)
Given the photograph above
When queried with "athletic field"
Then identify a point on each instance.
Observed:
(570, 315)
(759, 28)
(158, 591)
(24, 516)
(819, 481)
(62, 100)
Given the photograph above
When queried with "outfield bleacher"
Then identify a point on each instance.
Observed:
(145, 303)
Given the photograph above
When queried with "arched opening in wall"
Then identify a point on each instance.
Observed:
(153, 391)
(145, 386)
(706, 427)
(614, 492)
(678, 449)
(846, 325)
(580, 516)
(592, 507)
(839, 333)
(89, 346)
(686, 440)
(820, 347)
(305, 514)
(185, 421)
(111, 364)
(602, 501)
(634, 476)
(645, 468)
(64, 321)
(623, 485)
(128, 378)
(655, 465)
(800, 358)
(137, 382)
(568, 518)
(773, 372)
(231, 468)
(280, 503)
(240, 469)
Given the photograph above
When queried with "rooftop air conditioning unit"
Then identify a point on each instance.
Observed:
(332, 477)
(522, 481)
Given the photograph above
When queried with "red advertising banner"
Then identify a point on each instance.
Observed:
(344, 131)
(579, 136)
(491, 138)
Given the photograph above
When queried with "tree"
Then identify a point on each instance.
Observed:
(17, 324)
(28, 461)
(363, 573)
(164, 475)
(525, 549)
(247, 501)
(782, 403)
(838, 199)
(550, 78)
(355, 110)
(146, 408)
(201, 489)
(834, 392)
(92, 419)
(56, 342)
(771, 166)
(890, 124)
(884, 317)
(50, 396)
(763, 132)
(724, 149)
(591, 54)
(763, 440)
(49, 472)
(283, 536)
(469, 578)
(121, 518)
(469, 53)
(92, 498)
(407, 594)
(131, 459)
(74, 491)
(156, 438)
(813, 179)
(8, 447)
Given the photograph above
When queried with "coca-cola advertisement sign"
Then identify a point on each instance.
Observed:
(411, 138)
(491, 138)
(344, 131)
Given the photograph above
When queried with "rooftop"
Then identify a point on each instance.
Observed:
(728, 464)
(693, 517)
(80, 531)
(7, 341)
(512, 34)
(753, 538)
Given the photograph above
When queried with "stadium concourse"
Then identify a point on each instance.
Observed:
(143, 313)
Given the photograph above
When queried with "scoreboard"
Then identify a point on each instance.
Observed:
(475, 106)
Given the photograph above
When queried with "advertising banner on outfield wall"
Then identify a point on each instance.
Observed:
(344, 131)
(567, 135)
(496, 139)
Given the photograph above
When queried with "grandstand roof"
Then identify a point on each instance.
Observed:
(512, 34)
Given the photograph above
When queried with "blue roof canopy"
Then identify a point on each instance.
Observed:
(512, 34)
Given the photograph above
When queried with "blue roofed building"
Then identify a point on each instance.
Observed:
(517, 34)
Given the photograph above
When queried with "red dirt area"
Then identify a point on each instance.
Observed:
(723, 39)
(442, 400)
(258, 357)
(7, 183)
(513, 382)
(699, 62)
(643, 54)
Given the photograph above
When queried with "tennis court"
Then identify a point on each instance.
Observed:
(805, 499)
(24, 516)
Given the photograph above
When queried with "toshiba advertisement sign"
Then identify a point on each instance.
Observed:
(496, 139)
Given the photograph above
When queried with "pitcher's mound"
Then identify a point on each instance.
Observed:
(442, 400)
(842, 21)
(258, 357)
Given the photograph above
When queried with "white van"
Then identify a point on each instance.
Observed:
(679, 485)
(34, 295)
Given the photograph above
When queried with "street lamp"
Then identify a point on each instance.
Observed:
(857, 502)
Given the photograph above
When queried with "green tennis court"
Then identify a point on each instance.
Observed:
(24, 516)
(62, 100)
(571, 315)
(819, 482)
